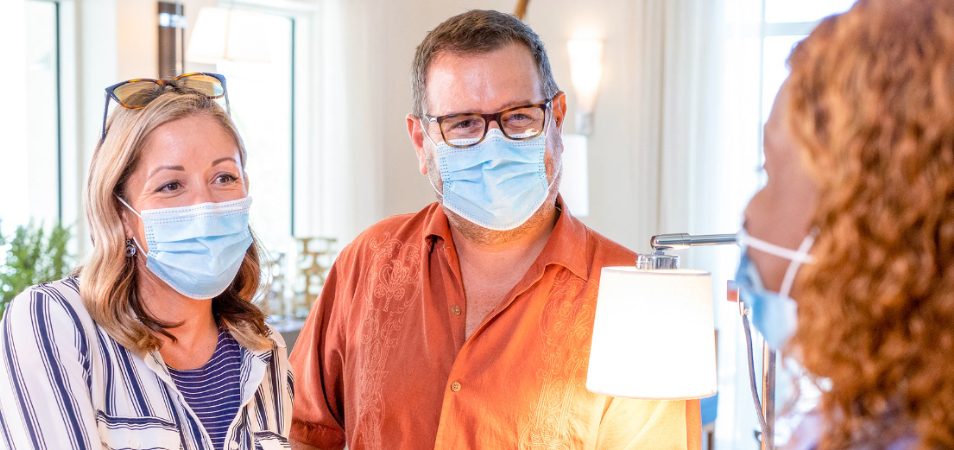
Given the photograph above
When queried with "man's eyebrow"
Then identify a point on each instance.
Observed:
(507, 105)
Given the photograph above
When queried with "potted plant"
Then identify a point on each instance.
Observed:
(30, 256)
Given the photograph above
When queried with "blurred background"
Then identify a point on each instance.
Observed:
(666, 98)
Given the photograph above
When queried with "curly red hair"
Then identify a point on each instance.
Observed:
(872, 105)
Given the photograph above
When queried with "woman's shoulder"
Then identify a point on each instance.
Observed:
(51, 304)
(64, 291)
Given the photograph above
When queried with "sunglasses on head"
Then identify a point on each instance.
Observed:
(138, 92)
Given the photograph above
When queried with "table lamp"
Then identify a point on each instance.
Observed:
(653, 335)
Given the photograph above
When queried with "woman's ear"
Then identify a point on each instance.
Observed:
(127, 218)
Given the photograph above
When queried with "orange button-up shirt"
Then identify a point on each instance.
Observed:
(382, 361)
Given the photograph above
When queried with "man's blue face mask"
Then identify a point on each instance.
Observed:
(197, 250)
(774, 314)
(497, 184)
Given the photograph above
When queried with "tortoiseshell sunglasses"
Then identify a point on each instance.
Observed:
(138, 92)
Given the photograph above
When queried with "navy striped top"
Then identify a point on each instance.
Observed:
(213, 391)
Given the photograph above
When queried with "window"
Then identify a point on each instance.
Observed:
(267, 85)
(754, 43)
(31, 165)
(785, 23)
(262, 97)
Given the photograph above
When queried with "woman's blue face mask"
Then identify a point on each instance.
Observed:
(198, 249)
(774, 314)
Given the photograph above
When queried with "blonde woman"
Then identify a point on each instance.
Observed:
(154, 342)
(858, 284)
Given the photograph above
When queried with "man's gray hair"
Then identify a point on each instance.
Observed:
(476, 32)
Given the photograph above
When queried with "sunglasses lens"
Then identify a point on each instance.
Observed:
(136, 94)
(205, 84)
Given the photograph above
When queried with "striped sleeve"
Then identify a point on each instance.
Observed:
(45, 374)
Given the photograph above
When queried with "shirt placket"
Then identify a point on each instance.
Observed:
(455, 385)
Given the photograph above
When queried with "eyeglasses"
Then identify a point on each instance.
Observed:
(139, 92)
(468, 129)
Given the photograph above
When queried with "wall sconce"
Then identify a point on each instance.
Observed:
(586, 69)
(226, 34)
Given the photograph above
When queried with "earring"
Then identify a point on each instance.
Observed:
(130, 248)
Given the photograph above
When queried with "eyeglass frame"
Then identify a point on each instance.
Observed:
(162, 83)
(488, 118)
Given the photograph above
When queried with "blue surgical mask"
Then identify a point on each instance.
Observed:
(774, 314)
(497, 184)
(197, 250)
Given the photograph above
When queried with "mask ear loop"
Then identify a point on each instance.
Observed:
(141, 250)
(744, 239)
(127, 206)
(789, 278)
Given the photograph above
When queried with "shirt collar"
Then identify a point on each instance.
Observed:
(566, 246)
(254, 366)
(436, 224)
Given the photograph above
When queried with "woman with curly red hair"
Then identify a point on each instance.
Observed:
(849, 248)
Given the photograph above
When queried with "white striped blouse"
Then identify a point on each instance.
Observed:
(66, 384)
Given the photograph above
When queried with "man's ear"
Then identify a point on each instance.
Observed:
(416, 133)
(559, 109)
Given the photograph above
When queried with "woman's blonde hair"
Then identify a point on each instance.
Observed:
(872, 105)
(108, 280)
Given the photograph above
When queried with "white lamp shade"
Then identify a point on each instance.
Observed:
(653, 336)
(225, 34)
(574, 186)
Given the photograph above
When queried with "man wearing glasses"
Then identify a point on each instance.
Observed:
(467, 325)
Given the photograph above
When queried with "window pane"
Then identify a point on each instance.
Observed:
(780, 11)
(260, 95)
(29, 166)
(775, 54)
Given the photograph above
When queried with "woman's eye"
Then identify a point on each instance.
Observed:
(169, 187)
(226, 178)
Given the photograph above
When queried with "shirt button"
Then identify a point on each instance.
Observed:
(234, 446)
(456, 310)
(455, 386)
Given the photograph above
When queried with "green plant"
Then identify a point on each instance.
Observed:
(32, 255)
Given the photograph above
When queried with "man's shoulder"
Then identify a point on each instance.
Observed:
(608, 251)
(400, 228)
